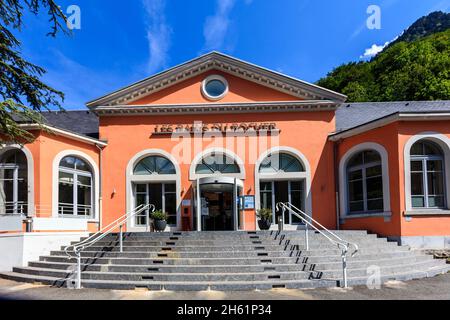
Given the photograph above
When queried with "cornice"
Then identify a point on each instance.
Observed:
(211, 108)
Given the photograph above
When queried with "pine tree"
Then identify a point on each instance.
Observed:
(22, 94)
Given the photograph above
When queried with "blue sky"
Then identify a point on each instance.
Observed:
(123, 42)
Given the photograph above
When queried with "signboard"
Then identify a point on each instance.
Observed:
(249, 202)
(215, 127)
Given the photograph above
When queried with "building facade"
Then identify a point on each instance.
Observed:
(213, 140)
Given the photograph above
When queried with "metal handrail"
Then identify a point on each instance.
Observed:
(77, 248)
(343, 245)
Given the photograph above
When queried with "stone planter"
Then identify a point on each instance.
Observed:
(160, 225)
(264, 224)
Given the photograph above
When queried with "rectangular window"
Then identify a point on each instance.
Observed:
(66, 193)
(162, 195)
(365, 189)
(427, 183)
(266, 195)
(283, 191)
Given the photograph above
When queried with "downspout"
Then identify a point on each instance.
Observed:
(336, 182)
(100, 186)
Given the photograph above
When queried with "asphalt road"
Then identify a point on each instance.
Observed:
(437, 288)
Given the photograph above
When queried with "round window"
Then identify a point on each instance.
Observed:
(215, 87)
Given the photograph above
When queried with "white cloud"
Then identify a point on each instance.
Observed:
(216, 27)
(158, 34)
(373, 51)
(376, 49)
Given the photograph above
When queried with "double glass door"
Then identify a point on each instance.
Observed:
(162, 195)
(13, 191)
(273, 192)
(217, 206)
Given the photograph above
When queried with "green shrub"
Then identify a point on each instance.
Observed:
(264, 213)
(159, 215)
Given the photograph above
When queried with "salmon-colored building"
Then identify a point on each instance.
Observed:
(213, 140)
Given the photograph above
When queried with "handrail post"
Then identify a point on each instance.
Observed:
(344, 267)
(306, 237)
(121, 238)
(78, 284)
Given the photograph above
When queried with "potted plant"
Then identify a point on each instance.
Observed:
(265, 218)
(160, 220)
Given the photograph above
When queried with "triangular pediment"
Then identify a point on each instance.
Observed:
(166, 87)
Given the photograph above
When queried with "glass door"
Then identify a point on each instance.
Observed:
(162, 196)
(8, 189)
(273, 192)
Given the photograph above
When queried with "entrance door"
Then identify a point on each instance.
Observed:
(216, 204)
(13, 191)
(162, 195)
(217, 207)
(273, 192)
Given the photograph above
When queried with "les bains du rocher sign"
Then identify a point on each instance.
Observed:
(216, 127)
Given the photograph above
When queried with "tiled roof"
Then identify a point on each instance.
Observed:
(351, 115)
(348, 115)
(81, 121)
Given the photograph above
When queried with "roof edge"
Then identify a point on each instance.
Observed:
(160, 79)
(65, 133)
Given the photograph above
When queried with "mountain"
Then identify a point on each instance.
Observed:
(433, 23)
(414, 67)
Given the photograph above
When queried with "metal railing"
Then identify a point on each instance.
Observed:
(74, 251)
(14, 208)
(342, 244)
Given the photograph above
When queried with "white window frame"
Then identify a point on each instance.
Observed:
(280, 176)
(147, 196)
(30, 173)
(75, 174)
(424, 160)
(211, 78)
(132, 179)
(96, 188)
(444, 142)
(363, 168)
(343, 178)
(217, 151)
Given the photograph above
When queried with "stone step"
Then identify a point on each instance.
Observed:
(166, 277)
(325, 264)
(171, 268)
(175, 261)
(218, 285)
(186, 255)
(236, 242)
(240, 236)
(358, 264)
(207, 234)
(174, 286)
(400, 276)
(384, 270)
(239, 254)
(299, 268)
(252, 248)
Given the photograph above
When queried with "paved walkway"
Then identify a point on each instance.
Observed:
(437, 288)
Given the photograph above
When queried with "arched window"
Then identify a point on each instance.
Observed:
(365, 183)
(13, 182)
(282, 162)
(217, 163)
(282, 179)
(75, 191)
(427, 175)
(158, 188)
(154, 165)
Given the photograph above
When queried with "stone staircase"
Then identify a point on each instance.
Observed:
(226, 261)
